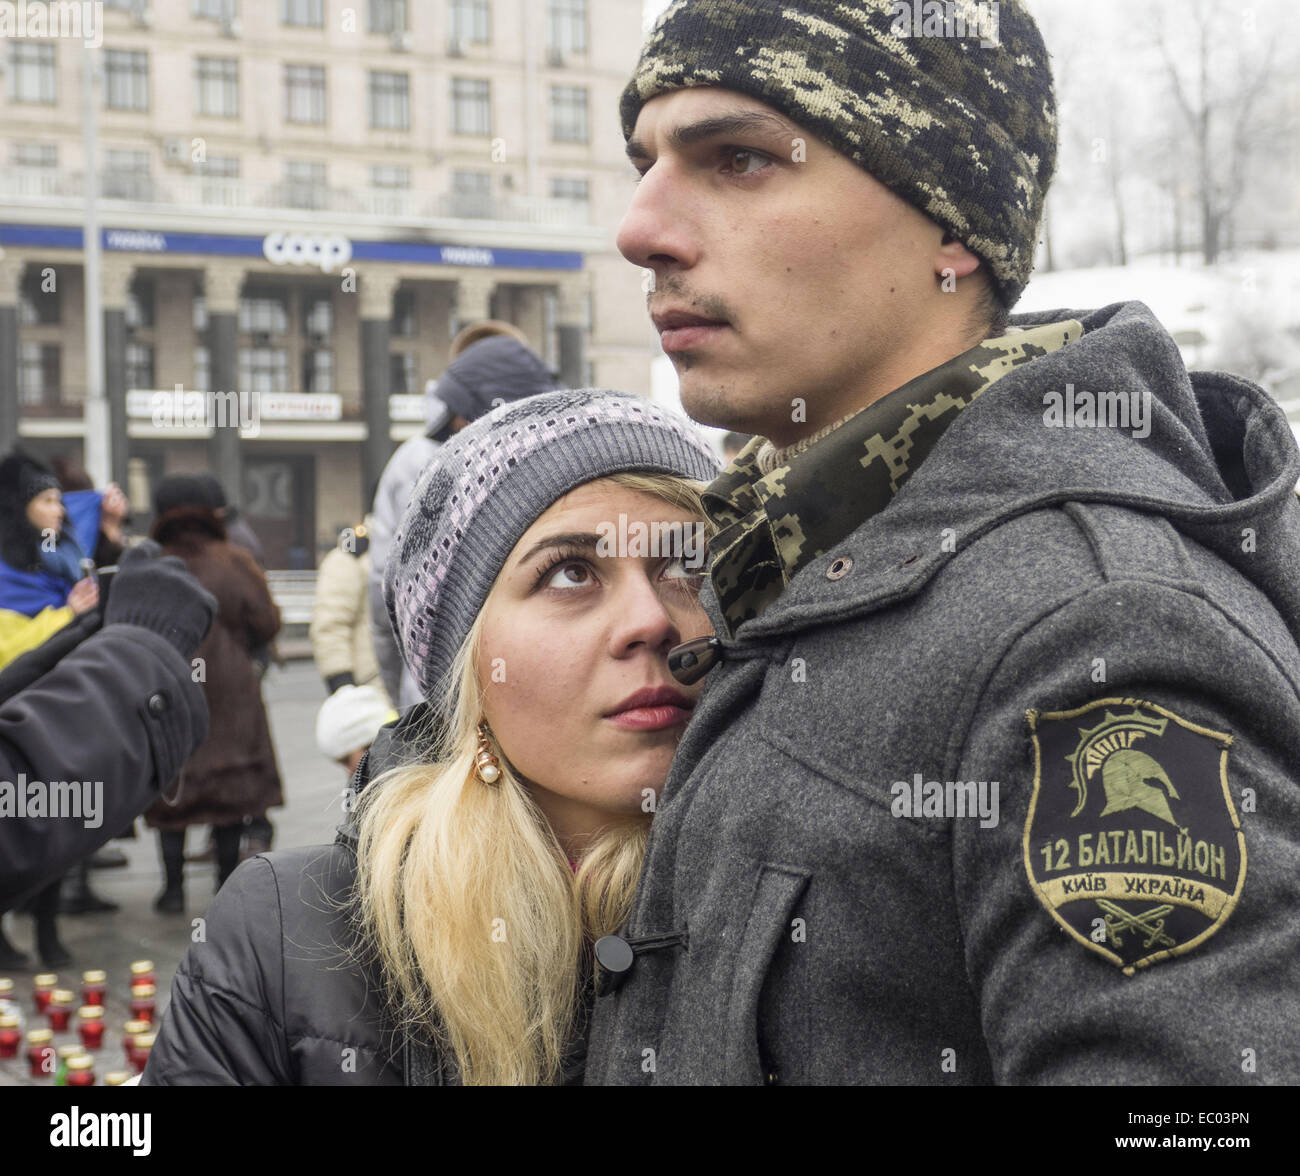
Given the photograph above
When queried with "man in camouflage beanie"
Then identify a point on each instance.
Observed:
(955, 115)
(1006, 612)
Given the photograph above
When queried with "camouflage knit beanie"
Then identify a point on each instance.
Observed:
(963, 127)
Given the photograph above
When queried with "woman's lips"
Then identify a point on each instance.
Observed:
(682, 338)
(650, 718)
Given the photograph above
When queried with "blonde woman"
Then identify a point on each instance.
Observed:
(550, 558)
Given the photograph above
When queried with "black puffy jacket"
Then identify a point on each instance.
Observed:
(274, 995)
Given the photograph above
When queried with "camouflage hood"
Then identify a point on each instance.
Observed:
(1110, 417)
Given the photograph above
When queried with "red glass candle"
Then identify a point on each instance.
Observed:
(143, 1044)
(133, 1030)
(81, 1071)
(91, 1027)
(40, 1053)
(142, 973)
(93, 986)
(10, 1036)
(43, 989)
(59, 1009)
(116, 1077)
(142, 1003)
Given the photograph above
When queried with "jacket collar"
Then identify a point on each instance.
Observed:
(1000, 459)
(770, 525)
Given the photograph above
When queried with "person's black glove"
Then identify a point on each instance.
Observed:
(160, 594)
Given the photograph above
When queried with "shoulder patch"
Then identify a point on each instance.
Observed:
(1132, 841)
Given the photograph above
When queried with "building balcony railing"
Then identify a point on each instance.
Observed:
(25, 184)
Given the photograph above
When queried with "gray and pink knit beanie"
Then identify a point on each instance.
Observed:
(489, 483)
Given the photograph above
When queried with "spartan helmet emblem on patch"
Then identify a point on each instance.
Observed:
(1132, 842)
(1130, 778)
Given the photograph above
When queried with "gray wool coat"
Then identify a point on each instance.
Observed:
(1101, 623)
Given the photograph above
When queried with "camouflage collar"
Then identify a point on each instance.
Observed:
(770, 525)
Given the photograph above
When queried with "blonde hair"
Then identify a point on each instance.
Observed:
(466, 900)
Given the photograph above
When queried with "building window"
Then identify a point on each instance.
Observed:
(31, 72)
(127, 175)
(34, 155)
(217, 173)
(401, 366)
(576, 191)
(126, 79)
(569, 114)
(318, 370)
(223, 10)
(403, 321)
(567, 26)
(216, 82)
(139, 366)
(471, 105)
(202, 370)
(263, 313)
(38, 373)
(140, 304)
(304, 93)
(388, 16)
(390, 101)
(305, 185)
(37, 306)
(471, 194)
(317, 316)
(384, 175)
(304, 13)
(263, 371)
(471, 20)
(200, 311)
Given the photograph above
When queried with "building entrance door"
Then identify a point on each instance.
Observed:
(279, 503)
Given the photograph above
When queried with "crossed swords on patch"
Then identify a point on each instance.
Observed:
(1151, 922)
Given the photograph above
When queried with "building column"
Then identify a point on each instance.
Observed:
(11, 272)
(377, 289)
(221, 287)
(473, 299)
(115, 277)
(572, 327)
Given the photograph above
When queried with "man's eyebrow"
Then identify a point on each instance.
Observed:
(741, 123)
(584, 541)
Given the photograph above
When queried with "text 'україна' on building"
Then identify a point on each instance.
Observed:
(300, 203)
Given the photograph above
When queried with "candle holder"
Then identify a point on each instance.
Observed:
(43, 989)
(91, 1027)
(93, 986)
(143, 1044)
(142, 1002)
(81, 1070)
(142, 973)
(10, 1036)
(40, 1053)
(131, 1031)
(59, 1009)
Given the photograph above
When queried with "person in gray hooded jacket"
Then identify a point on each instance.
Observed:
(491, 364)
(993, 778)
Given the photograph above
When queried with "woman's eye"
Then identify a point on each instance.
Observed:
(683, 568)
(569, 575)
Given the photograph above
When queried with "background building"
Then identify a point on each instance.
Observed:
(303, 200)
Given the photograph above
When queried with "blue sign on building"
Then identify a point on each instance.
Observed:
(229, 245)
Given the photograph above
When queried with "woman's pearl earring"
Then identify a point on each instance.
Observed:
(486, 765)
